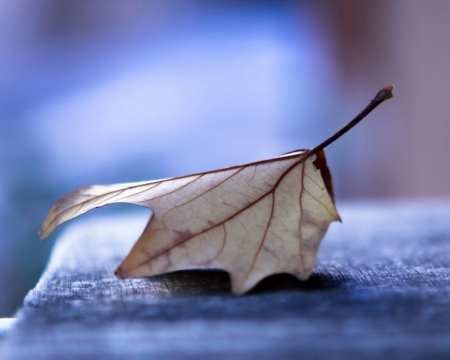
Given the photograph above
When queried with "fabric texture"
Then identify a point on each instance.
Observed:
(380, 289)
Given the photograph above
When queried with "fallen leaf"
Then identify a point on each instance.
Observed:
(252, 220)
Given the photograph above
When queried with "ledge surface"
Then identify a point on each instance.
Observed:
(380, 289)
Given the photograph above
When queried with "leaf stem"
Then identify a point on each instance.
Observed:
(382, 95)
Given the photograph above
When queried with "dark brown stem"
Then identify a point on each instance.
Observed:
(382, 95)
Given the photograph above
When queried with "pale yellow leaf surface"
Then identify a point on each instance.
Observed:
(252, 220)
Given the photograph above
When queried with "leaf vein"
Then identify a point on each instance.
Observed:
(263, 237)
(200, 195)
(323, 205)
(271, 191)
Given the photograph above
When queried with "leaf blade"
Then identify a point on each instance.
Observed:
(247, 219)
(241, 250)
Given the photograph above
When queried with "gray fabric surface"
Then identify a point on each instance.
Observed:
(380, 290)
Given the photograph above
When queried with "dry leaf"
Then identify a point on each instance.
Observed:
(252, 220)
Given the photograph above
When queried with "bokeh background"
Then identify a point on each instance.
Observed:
(111, 91)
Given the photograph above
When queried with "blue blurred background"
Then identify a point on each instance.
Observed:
(111, 91)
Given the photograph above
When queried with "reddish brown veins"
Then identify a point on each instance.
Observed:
(271, 191)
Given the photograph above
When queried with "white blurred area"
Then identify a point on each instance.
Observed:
(200, 101)
(114, 91)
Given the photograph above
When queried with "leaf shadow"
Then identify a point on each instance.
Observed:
(281, 282)
(209, 281)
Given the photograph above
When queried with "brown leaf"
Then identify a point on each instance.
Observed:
(252, 220)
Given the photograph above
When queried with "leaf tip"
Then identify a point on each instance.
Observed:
(43, 234)
(120, 273)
